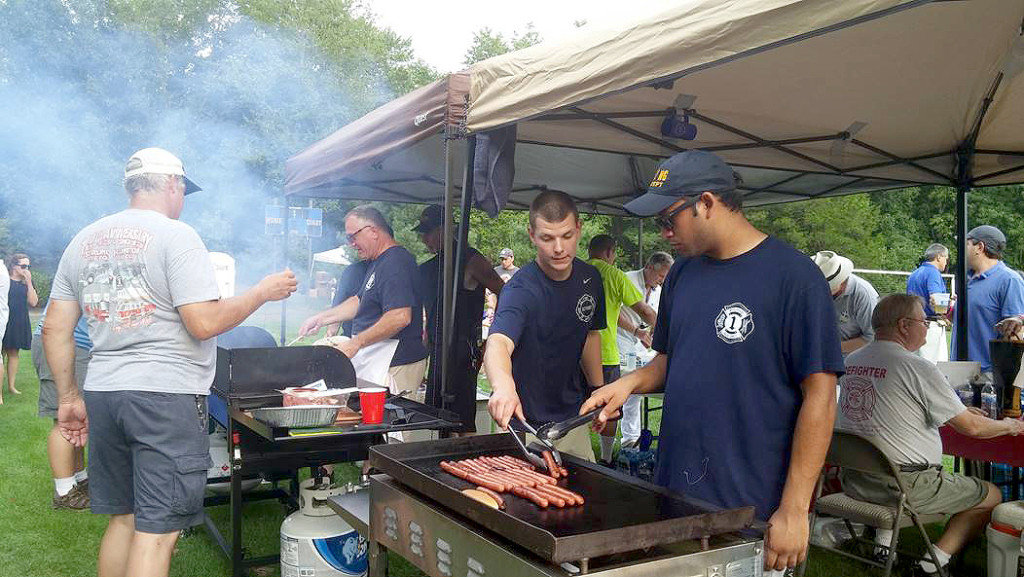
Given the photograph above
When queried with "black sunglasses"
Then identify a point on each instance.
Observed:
(667, 221)
(24, 266)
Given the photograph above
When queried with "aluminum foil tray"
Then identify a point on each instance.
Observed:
(297, 416)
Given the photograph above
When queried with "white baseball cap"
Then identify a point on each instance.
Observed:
(158, 161)
(835, 268)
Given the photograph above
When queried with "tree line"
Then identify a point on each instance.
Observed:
(244, 84)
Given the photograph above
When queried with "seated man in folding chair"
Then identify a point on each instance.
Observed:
(899, 400)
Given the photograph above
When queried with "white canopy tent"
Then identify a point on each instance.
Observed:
(806, 98)
(333, 256)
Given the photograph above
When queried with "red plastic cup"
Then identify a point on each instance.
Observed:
(371, 402)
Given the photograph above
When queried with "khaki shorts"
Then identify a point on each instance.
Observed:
(409, 378)
(576, 443)
(928, 492)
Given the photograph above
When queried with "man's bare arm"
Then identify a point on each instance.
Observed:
(591, 359)
(483, 273)
(648, 379)
(787, 540)
(850, 345)
(59, 345)
(979, 427)
(504, 401)
(386, 327)
(645, 311)
(344, 311)
(205, 320)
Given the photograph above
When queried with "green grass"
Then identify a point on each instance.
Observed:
(36, 541)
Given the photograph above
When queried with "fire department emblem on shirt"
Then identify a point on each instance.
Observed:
(585, 308)
(369, 281)
(858, 399)
(735, 323)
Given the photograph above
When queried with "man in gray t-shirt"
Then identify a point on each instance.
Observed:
(898, 401)
(146, 286)
(854, 299)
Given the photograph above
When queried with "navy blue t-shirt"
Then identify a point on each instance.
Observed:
(392, 282)
(741, 335)
(349, 283)
(548, 321)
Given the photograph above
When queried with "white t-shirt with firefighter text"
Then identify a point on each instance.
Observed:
(129, 272)
(898, 400)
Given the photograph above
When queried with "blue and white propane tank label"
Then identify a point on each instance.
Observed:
(340, 556)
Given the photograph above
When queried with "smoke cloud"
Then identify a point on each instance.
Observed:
(79, 92)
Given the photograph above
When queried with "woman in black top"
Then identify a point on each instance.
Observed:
(18, 337)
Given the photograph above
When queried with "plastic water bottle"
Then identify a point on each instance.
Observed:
(966, 394)
(989, 401)
(645, 468)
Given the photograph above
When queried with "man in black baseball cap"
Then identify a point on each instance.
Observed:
(749, 326)
(469, 312)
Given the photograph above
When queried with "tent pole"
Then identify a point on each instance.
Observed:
(640, 243)
(961, 272)
(284, 259)
(447, 272)
(460, 264)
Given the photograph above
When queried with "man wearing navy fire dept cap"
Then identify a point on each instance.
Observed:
(747, 357)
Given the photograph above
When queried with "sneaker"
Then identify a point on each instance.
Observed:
(77, 499)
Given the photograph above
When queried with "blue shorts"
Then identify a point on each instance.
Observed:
(148, 456)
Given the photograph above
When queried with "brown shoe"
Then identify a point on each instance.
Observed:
(77, 499)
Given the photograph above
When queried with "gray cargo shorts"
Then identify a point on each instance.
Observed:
(148, 456)
(47, 387)
(930, 491)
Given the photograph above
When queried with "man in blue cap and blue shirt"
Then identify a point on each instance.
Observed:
(994, 292)
(748, 357)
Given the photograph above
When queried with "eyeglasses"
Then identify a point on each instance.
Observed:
(924, 322)
(352, 237)
(667, 221)
(24, 266)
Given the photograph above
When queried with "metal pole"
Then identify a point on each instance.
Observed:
(447, 269)
(284, 257)
(460, 263)
(961, 272)
(640, 242)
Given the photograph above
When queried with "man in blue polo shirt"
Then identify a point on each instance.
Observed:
(748, 357)
(546, 329)
(926, 282)
(994, 292)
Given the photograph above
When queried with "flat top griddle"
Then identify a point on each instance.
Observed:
(621, 513)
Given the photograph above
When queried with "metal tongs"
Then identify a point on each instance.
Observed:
(551, 432)
(530, 456)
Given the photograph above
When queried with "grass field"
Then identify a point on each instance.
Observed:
(36, 541)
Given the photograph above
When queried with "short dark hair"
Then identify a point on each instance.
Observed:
(552, 206)
(732, 198)
(601, 244)
(372, 216)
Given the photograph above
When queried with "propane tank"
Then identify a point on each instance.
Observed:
(315, 541)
